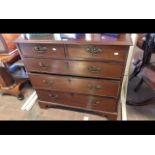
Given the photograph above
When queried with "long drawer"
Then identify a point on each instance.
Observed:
(76, 85)
(112, 53)
(77, 68)
(81, 101)
(40, 50)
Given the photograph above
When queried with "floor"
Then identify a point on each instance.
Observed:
(10, 107)
(146, 112)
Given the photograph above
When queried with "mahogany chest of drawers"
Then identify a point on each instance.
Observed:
(78, 74)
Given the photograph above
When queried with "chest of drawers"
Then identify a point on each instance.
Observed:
(78, 74)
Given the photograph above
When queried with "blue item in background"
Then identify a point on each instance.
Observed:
(13, 68)
(70, 35)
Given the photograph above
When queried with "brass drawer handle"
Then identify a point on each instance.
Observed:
(94, 69)
(94, 50)
(91, 86)
(43, 65)
(40, 49)
(47, 82)
(54, 96)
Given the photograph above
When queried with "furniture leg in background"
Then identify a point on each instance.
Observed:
(8, 85)
(146, 70)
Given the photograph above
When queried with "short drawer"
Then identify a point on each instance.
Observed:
(96, 69)
(80, 101)
(109, 53)
(46, 66)
(76, 85)
(42, 50)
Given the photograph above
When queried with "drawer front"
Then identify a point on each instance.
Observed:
(77, 68)
(81, 101)
(76, 85)
(96, 69)
(42, 50)
(110, 53)
(46, 65)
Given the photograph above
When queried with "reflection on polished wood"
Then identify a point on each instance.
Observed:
(123, 39)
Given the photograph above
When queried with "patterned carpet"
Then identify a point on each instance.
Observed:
(146, 112)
